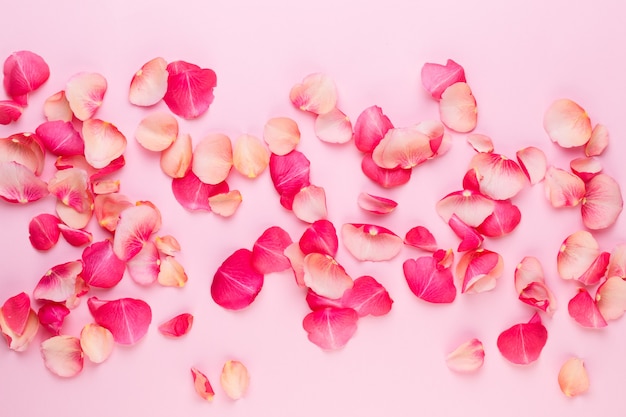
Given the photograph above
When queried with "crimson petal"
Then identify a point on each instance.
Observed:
(236, 283)
(127, 319)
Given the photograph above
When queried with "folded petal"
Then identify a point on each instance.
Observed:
(268, 251)
(504, 219)
(96, 342)
(367, 296)
(85, 92)
(62, 355)
(309, 204)
(157, 131)
(202, 385)
(429, 281)
(103, 142)
(436, 78)
(583, 309)
(468, 357)
(43, 231)
(375, 204)
(71, 187)
(225, 204)
(52, 315)
(10, 111)
(128, 319)
(420, 237)
(562, 188)
(15, 312)
(617, 262)
(498, 177)
(331, 328)
(108, 208)
(20, 342)
(325, 276)
(234, 379)
(522, 343)
(75, 237)
(529, 270)
(585, 168)
(60, 138)
(577, 253)
(176, 160)
(402, 148)
(597, 270)
(296, 261)
(212, 158)
(567, 124)
(480, 143)
(177, 326)
(289, 173)
(281, 134)
(18, 184)
(194, 194)
(136, 225)
(25, 149)
(387, 178)
(320, 237)
(149, 84)
(333, 127)
(367, 242)
(24, 71)
(538, 295)
(56, 107)
(236, 283)
(171, 273)
(457, 108)
(318, 302)
(533, 162)
(598, 141)
(611, 298)
(250, 157)
(479, 269)
(317, 94)
(370, 127)
(602, 203)
(144, 267)
(189, 89)
(59, 283)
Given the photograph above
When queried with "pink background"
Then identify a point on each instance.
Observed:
(519, 56)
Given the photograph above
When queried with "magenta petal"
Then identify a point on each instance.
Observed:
(331, 328)
(236, 283)
(387, 178)
(318, 302)
(428, 281)
(15, 311)
(43, 231)
(320, 237)
(289, 173)
(52, 315)
(101, 267)
(597, 270)
(436, 77)
(367, 296)
(61, 138)
(189, 89)
(193, 194)
(136, 225)
(502, 221)
(420, 237)
(268, 251)
(583, 309)
(522, 343)
(177, 326)
(24, 71)
(10, 111)
(59, 283)
(370, 127)
(127, 319)
(75, 237)
(470, 238)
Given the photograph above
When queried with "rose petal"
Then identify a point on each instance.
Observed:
(529, 270)
(268, 251)
(296, 260)
(18, 184)
(428, 280)
(583, 309)
(43, 231)
(402, 148)
(52, 315)
(436, 78)
(96, 342)
(128, 319)
(108, 208)
(533, 162)
(103, 142)
(617, 262)
(236, 283)
(370, 127)
(577, 253)
(480, 143)
(59, 283)
(421, 238)
(15, 312)
(611, 298)
(522, 343)
(250, 157)
(598, 141)
(538, 295)
(457, 108)
(71, 186)
(101, 267)
(62, 355)
(498, 177)
(567, 124)
(60, 138)
(320, 237)
(144, 267)
(573, 378)
(56, 107)
(10, 111)
(317, 94)
(194, 194)
(20, 342)
(331, 328)
(596, 271)
(309, 204)
(25, 149)
(602, 203)
(289, 173)
(472, 208)
(157, 131)
(149, 84)
(75, 237)
(136, 225)
(234, 379)
(368, 242)
(225, 204)
(585, 168)
(502, 221)
(317, 302)
(375, 204)
(177, 326)
(189, 89)
(212, 158)
(24, 71)
(470, 238)
(325, 276)
(176, 160)
(202, 385)
(367, 296)
(468, 357)
(562, 188)
(333, 127)
(85, 92)
(167, 245)
(171, 273)
(479, 269)
(386, 178)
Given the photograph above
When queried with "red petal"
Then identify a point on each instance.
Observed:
(499, 177)
(15, 311)
(24, 71)
(309, 204)
(212, 158)
(585, 168)
(96, 342)
(127, 318)
(56, 107)
(59, 283)
(236, 283)
(18, 184)
(52, 315)
(157, 131)
(375, 204)
(62, 355)
(402, 148)
(108, 208)
(331, 328)
(281, 135)
(320, 237)
(250, 157)
(428, 281)
(533, 162)
(470, 238)
(177, 326)
(193, 194)
(602, 203)
(577, 253)
(471, 207)
(149, 84)
(103, 142)
(386, 178)
(202, 385)
(583, 309)
(16, 342)
(421, 238)
(43, 231)
(325, 276)
(290, 173)
(85, 92)
(75, 237)
(480, 143)
(370, 127)
(367, 296)
(502, 221)
(567, 123)
(189, 89)
(134, 229)
(176, 160)
(333, 127)
(143, 268)
(611, 298)
(436, 77)
(457, 108)
(479, 269)
(317, 94)
(562, 188)
(368, 242)
(268, 251)
(522, 343)
(10, 111)
(61, 138)
(598, 141)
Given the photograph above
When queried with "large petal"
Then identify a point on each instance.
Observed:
(250, 157)
(101, 267)
(472, 208)
(62, 355)
(457, 108)
(562, 188)
(577, 253)
(387, 178)
(194, 194)
(498, 176)
(96, 342)
(331, 328)
(127, 318)
(136, 225)
(85, 92)
(583, 309)
(602, 203)
(502, 221)
(60, 138)
(236, 283)
(368, 242)
(19, 184)
(157, 131)
(402, 148)
(103, 142)
(10, 111)
(149, 84)
(189, 89)
(43, 231)
(370, 127)
(325, 276)
(176, 160)
(428, 280)
(268, 251)
(317, 94)
(15, 312)
(523, 343)
(367, 296)
(333, 127)
(567, 124)
(281, 134)
(24, 71)
(436, 78)
(59, 282)
(309, 204)
(479, 269)
(611, 298)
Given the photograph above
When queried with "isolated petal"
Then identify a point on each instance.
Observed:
(56, 107)
(562, 188)
(189, 89)
(522, 343)
(144, 267)
(149, 84)
(387, 178)
(366, 297)
(157, 131)
(317, 94)
(583, 309)
(436, 78)
(457, 108)
(85, 92)
(533, 162)
(128, 319)
(471, 207)
(498, 176)
(320, 237)
(60, 138)
(331, 328)
(479, 269)
(370, 127)
(402, 148)
(420, 237)
(96, 342)
(52, 315)
(59, 282)
(194, 194)
(375, 204)
(268, 251)
(202, 385)
(177, 326)
(325, 276)
(368, 242)
(567, 124)
(504, 219)
(577, 253)
(43, 231)
(136, 225)
(24, 71)
(250, 157)
(212, 158)
(573, 378)
(103, 142)
(236, 283)
(602, 203)
(19, 184)
(10, 111)
(171, 273)
(468, 357)
(585, 168)
(62, 355)
(225, 204)
(289, 173)
(309, 204)
(333, 127)
(598, 141)
(428, 280)
(480, 143)
(234, 379)
(281, 134)
(15, 312)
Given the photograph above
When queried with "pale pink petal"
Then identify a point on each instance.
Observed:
(470, 238)
(234, 379)
(320, 237)
(436, 78)
(583, 309)
(59, 283)
(480, 143)
(281, 135)
(317, 94)
(366, 297)
(225, 204)
(333, 127)
(202, 385)
(60, 138)
(250, 157)
(75, 237)
(134, 229)
(268, 252)
(108, 208)
(144, 267)
(370, 127)
(85, 92)
(386, 178)
(79, 161)
(479, 269)
(52, 315)
(586, 168)
(15, 312)
(617, 262)
(43, 231)
(471, 207)
(189, 89)
(441, 146)
(331, 328)
(18, 184)
(10, 111)
(611, 298)
(167, 244)
(309, 204)
(375, 204)
(296, 260)
(128, 319)
(20, 342)
(577, 253)
(538, 295)
(368, 242)
(56, 107)
(598, 141)
(72, 217)
(177, 326)
(212, 158)
(596, 271)
(194, 194)
(157, 131)
(101, 267)
(325, 276)
(428, 280)
(24, 71)
(103, 142)
(289, 173)
(171, 273)
(457, 108)
(71, 186)
(567, 124)
(529, 270)
(176, 160)
(318, 302)
(499, 177)
(149, 84)
(522, 343)
(573, 378)
(105, 186)
(96, 342)
(25, 149)
(533, 162)
(502, 221)
(62, 355)
(420, 237)
(236, 283)
(602, 203)
(562, 188)
(402, 148)
(468, 357)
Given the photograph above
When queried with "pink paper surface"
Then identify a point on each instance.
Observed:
(518, 56)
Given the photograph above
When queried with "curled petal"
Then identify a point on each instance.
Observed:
(402, 148)
(60, 138)
(25, 149)
(75, 237)
(128, 319)
(189, 89)
(43, 231)
(309, 204)
(611, 298)
(10, 111)
(62, 355)
(250, 157)
(234, 379)
(59, 283)
(281, 134)
(202, 385)
(370, 127)
(602, 203)
(470, 238)
(56, 107)
(136, 225)
(225, 204)
(71, 186)
(583, 309)
(317, 94)
(577, 253)
(325, 276)
(502, 221)
(74, 218)
(101, 267)
(177, 326)
(52, 315)
(333, 127)
(268, 251)
(108, 208)
(567, 124)
(596, 271)
(19, 342)
(212, 158)
(171, 273)
(24, 71)
(480, 143)
(429, 281)
(96, 342)
(420, 237)
(176, 160)
(585, 168)
(15, 312)
(149, 84)
(598, 141)
(471, 207)
(522, 343)
(366, 297)
(236, 283)
(386, 178)
(296, 261)
(157, 131)
(617, 262)
(320, 237)
(436, 78)
(331, 328)
(368, 242)
(375, 204)
(85, 92)
(533, 162)
(479, 269)
(167, 245)
(537, 294)
(103, 142)
(289, 173)
(144, 267)
(498, 177)
(529, 270)
(194, 194)
(573, 378)
(468, 357)
(105, 186)
(457, 108)
(562, 188)
(18, 184)
(317, 302)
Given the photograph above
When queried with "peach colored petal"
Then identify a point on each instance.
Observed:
(429, 280)
(149, 84)
(235, 379)
(56, 107)
(105, 186)
(43, 231)
(157, 131)
(567, 124)
(498, 176)
(177, 326)
(386, 178)
(368, 242)
(108, 207)
(144, 267)
(457, 108)
(585, 168)
(281, 135)
(309, 204)
(602, 203)
(20, 342)
(71, 186)
(250, 157)
(370, 127)
(562, 188)
(375, 204)
(577, 253)
(317, 94)
(103, 142)
(189, 89)
(573, 378)
(403, 148)
(136, 225)
(213, 158)
(471, 207)
(96, 342)
(598, 141)
(171, 273)
(167, 244)
(333, 127)
(529, 270)
(236, 283)
(62, 355)
(467, 357)
(420, 237)
(436, 78)
(325, 276)
(85, 92)
(522, 343)
(202, 385)
(225, 204)
(127, 319)
(10, 111)
(611, 298)
(480, 143)
(296, 260)
(583, 309)
(331, 328)
(24, 148)
(74, 218)
(176, 160)
(101, 267)
(479, 269)
(533, 162)
(60, 138)
(367, 296)
(617, 262)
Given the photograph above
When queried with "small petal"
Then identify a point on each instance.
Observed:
(585, 168)
(429, 281)
(85, 92)
(325, 276)
(268, 251)
(128, 319)
(108, 208)
(177, 326)
(533, 162)
(281, 134)
(331, 328)
(225, 204)
(368, 242)
(611, 298)
(96, 342)
(387, 178)
(318, 302)
(75, 237)
(74, 218)
(212, 158)
(149, 84)
(289, 173)
(471, 207)
(583, 309)
(370, 127)
(43, 231)
(20, 342)
(567, 124)
(573, 378)
(529, 270)
(60, 138)
(617, 262)
(498, 177)
(562, 188)
(56, 107)
(18, 184)
(320, 237)
(171, 273)
(317, 94)
(250, 157)
(309, 204)
(522, 343)
(470, 238)
(598, 141)
(15, 312)
(468, 357)
(333, 127)
(296, 260)
(502, 221)
(157, 131)
(136, 225)
(457, 108)
(234, 379)
(176, 160)
(52, 315)
(436, 78)
(10, 111)
(105, 186)
(194, 194)
(62, 355)
(402, 148)
(479, 269)
(480, 143)
(577, 253)
(236, 283)
(167, 245)
(24, 71)
(366, 297)
(421, 238)
(538, 295)
(103, 142)
(202, 385)
(189, 89)
(144, 267)
(375, 204)
(602, 203)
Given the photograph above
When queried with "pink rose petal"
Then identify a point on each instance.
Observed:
(320, 237)
(15, 312)
(317, 94)
(457, 108)
(375, 204)
(370, 127)
(611, 298)
(189, 89)
(85, 92)
(331, 328)
(585, 168)
(402, 148)
(144, 267)
(602, 203)
(177, 326)
(467, 357)
(52, 315)
(479, 269)
(213, 158)
(108, 208)
(103, 142)
(250, 157)
(471, 207)
(234, 379)
(176, 160)
(333, 127)
(498, 177)
(387, 178)
(225, 204)
(25, 149)
(268, 251)
(480, 143)
(56, 107)
(577, 253)
(567, 124)
(421, 238)
(18, 184)
(573, 378)
(583, 309)
(617, 262)
(368, 242)
(60, 138)
(236, 283)
(562, 188)
(325, 276)
(136, 225)
(24, 72)
(296, 261)
(596, 271)
(598, 141)
(10, 111)
(367, 296)
(96, 342)
(309, 204)
(538, 295)
(149, 84)
(429, 280)
(194, 194)
(59, 283)
(71, 187)
(533, 162)
(43, 231)
(75, 237)
(281, 134)
(289, 173)
(128, 319)
(171, 273)
(470, 238)
(502, 221)
(318, 302)
(157, 131)
(20, 342)
(436, 78)
(522, 343)
(62, 355)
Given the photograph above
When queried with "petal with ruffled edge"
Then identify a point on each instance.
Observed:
(479, 270)
(320, 237)
(10, 111)
(498, 176)
(402, 148)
